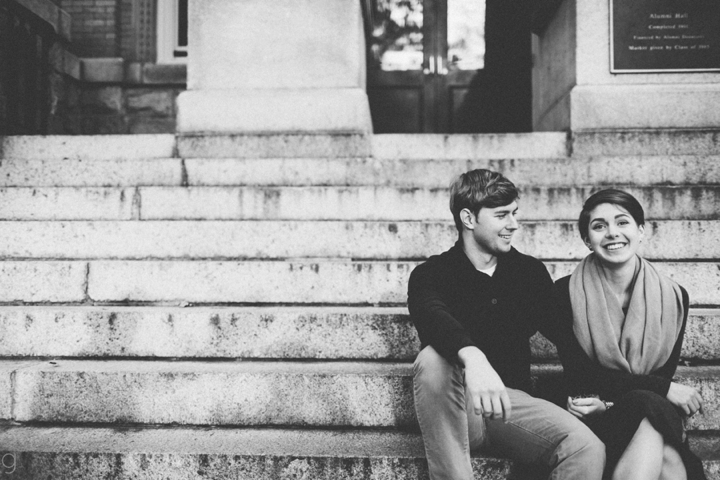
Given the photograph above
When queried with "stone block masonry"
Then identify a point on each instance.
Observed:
(242, 314)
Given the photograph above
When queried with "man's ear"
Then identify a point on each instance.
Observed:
(467, 218)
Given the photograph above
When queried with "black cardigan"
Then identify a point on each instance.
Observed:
(585, 376)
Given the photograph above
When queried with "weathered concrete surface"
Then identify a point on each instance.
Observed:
(707, 381)
(334, 282)
(486, 146)
(246, 454)
(235, 393)
(228, 112)
(347, 171)
(254, 393)
(438, 173)
(597, 107)
(702, 335)
(50, 203)
(322, 203)
(7, 388)
(48, 281)
(665, 240)
(386, 203)
(292, 145)
(270, 332)
(252, 332)
(88, 173)
(647, 142)
(95, 147)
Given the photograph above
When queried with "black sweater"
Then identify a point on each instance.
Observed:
(453, 306)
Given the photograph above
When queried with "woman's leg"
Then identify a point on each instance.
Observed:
(673, 467)
(643, 457)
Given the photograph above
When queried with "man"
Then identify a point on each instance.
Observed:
(475, 308)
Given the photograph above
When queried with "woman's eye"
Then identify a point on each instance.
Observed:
(598, 226)
(623, 222)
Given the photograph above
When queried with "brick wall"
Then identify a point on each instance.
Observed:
(95, 26)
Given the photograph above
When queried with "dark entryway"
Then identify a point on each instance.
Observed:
(449, 66)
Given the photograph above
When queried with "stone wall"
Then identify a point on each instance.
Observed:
(39, 79)
(118, 109)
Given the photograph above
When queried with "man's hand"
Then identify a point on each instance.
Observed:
(685, 398)
(487, 391)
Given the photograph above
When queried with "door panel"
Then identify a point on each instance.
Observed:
(428, 70)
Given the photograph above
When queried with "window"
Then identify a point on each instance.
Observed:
(172, 31)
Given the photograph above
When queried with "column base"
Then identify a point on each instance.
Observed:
(334, 111)
(612, 107)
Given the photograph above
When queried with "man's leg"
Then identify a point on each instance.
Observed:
(541, 432)
(448, 432)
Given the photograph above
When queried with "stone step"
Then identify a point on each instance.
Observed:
(334, 333)
(258, 282)
(376, 240)
(87, 147)
(289, 393)
(243, 454)
(322, 203)
(343, 171)
(412, 173)
(644, 142)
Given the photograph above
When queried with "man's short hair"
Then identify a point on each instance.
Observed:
(477, 189)
(612, 196)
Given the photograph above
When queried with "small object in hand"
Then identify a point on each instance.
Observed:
(585, 395)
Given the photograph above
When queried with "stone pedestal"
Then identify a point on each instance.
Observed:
(573, 88)
(281, 66)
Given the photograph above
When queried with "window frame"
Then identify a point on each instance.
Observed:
(168, 24)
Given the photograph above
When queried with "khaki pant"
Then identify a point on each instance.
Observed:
(538, 431)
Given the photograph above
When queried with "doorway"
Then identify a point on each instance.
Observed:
(449, 66)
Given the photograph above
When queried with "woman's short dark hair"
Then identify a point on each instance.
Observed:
(615, 197)
(477, 189)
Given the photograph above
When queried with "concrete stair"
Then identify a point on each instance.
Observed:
(234, 307)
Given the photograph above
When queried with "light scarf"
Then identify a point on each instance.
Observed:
(638, 342)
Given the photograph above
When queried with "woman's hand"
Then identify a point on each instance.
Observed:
(686, 398)
(583, 407)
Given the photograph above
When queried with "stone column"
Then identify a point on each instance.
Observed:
(275, 66)
(573, 88)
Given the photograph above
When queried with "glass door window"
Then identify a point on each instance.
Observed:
(422, 57)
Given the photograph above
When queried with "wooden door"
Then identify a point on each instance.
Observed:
(427, 69)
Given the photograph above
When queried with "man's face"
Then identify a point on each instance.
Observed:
(494, 228)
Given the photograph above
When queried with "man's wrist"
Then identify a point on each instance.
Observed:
(471, 354)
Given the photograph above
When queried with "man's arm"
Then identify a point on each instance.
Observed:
(438, 328)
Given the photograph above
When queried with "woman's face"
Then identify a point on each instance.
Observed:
(613, 234)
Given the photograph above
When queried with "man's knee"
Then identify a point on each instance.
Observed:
(585, 443)
(431, 371)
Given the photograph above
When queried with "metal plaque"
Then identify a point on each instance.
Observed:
(664, 36)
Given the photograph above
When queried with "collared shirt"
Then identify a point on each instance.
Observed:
(453, 306)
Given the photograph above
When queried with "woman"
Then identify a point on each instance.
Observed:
(622, 330)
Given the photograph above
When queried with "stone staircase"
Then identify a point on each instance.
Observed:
(233, 307)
